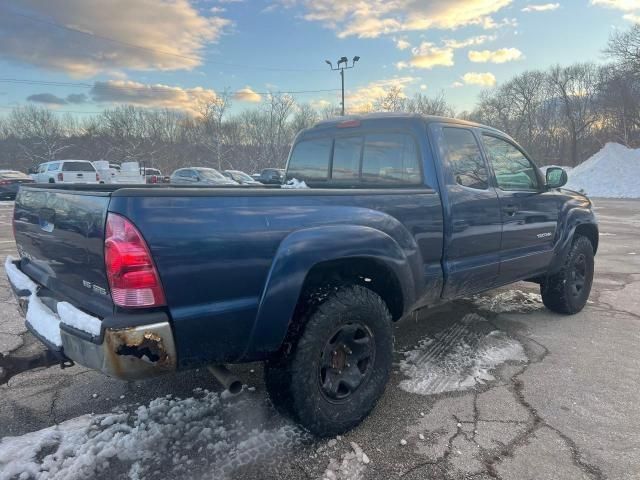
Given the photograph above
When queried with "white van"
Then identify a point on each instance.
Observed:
(67, 171)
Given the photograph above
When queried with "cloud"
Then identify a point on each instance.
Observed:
(172, 35)
(402, 44)
(501, 55)
(46, 98)
(632, 17)
(187, 100)
(624, 5)
(363, 99)
(51, 99)
(77, 98)
(427, 56)
(542, 7)
(247, 95)
(484, 79)
(469, 42)
(457, 85)
(377, 17)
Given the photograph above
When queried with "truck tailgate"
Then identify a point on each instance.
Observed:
(60, 238)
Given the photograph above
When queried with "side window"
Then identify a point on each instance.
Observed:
(310, 159)
(513, 170)
(42, 169)
(463, 158)
(346, 158)
(390, 158)
(53, 167)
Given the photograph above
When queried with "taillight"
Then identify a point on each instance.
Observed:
(60, 177)
(154, 179)
(4, 182)
(133, 278)
(97, 177)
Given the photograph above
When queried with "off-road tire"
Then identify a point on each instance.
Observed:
(559, 291)
(295, 380)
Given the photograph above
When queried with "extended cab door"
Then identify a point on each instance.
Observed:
(472, 212)
(529, 211)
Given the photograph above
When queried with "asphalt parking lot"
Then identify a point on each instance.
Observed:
(490, 387)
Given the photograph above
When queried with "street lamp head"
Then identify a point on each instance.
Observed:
(343, 60)
(355, 59)
(329, 63)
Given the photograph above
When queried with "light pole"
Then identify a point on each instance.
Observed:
(345, 66)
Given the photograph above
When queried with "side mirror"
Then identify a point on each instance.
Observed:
(556, 177)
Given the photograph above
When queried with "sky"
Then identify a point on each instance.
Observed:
(83, 56)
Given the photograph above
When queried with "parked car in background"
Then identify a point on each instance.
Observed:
(127, 173)
(271, 176)
(199, 176)
(153, 175)
(240, 177)
(10, 181)
(67, 171)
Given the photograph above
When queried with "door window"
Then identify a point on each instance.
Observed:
(53, 167)
(463, 158)
(513, 170)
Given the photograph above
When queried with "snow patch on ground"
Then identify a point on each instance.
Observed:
(168, 438)
(612, 172)
(510, 301)
(295, 183)
(351, 466)
(458, 357)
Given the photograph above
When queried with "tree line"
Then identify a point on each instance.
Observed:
(561, 116)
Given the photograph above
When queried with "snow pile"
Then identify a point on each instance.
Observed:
(458, 357)
(510, 301)
(351, 467)
(168, 438)
(295, 183)
(19, 279)
(612, 172)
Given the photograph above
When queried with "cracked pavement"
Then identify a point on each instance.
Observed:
(570, 412)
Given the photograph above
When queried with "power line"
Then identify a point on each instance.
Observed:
(152, 88)
(156, 50)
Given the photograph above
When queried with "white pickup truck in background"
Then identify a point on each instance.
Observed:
(129, 173)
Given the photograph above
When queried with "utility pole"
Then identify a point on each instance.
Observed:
(345, 66)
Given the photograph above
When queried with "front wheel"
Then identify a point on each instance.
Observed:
(568, 290)
(340, 364)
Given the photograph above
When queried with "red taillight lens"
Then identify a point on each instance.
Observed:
(133, 278)
(60, 177)
(97, 177)
(4, 182)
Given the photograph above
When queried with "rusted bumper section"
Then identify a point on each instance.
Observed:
(128, 353)
(136, 352)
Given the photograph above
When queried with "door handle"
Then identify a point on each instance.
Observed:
(510, 210)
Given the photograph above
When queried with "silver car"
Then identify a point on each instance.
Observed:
(199, 176)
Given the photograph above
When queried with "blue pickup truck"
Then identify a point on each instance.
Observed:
(401, 212)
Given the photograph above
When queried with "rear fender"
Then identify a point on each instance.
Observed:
(297, 255)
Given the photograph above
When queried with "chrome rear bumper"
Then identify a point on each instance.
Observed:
(128, 353)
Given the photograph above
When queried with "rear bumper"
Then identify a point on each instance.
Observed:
(126, 352)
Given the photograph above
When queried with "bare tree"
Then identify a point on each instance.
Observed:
(393, 100)
(41, 133)
(212, 113)
(576, 88)
(624, 47)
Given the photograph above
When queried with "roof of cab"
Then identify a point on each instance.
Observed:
(382, 116)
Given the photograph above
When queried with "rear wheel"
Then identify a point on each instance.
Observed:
(568, 290)
(339, 365)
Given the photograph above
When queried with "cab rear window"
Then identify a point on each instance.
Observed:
(370, 159)
(78, 167)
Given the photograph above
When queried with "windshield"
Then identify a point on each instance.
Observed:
(210, 174)
(241, 176)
